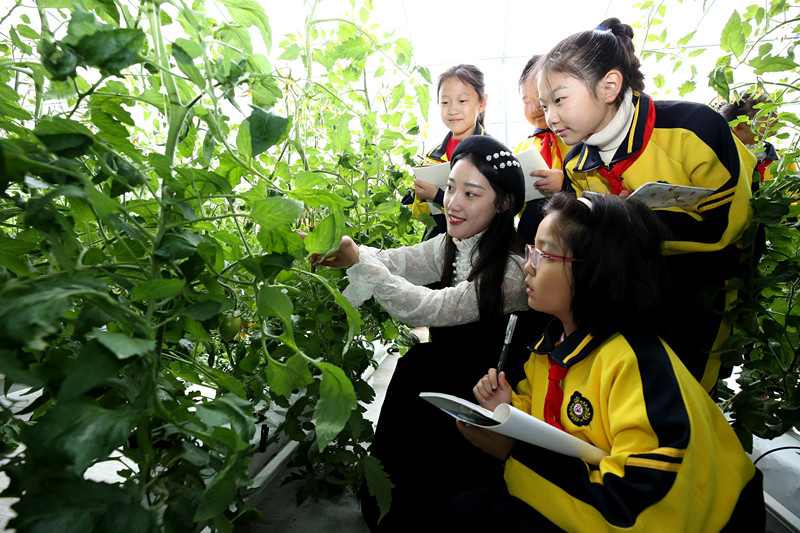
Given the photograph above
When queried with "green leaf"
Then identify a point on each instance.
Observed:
(686, 38)
(123, 346)
(112, 50)
(59, 61)
(291, 52)
(101, 203)
(378, 483)
(244, 141)
(189, 47)
(69, 504)
(272, 302)
(283, 378)
(229, 410)
(266, 130)
(63, 136)
(276, 211)
(82, 24)
(718, 80)
(353, 48)
(354, 321)
(8, 105)
(249, 13)
(157, 289)
(12, 368)
(687, 87)
(326, 236)
(78, 433)
(733, 38)
(340, 138)
(94, 366)
(337, 399)
(772, 64)
(220, 492)
(179, 245)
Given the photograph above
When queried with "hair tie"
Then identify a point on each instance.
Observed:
(600, 28)
(585, 201)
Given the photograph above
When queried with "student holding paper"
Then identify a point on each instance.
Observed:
(590, 87)
(462, 103)
(601, 373)
(479, 264)
(546, 143)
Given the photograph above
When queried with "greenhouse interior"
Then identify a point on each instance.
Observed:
(234, 251)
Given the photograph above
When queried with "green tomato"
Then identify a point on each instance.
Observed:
(230, 327)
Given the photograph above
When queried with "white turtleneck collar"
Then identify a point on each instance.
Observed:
(611, 137)
(464, 261)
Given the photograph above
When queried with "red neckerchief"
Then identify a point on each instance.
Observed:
(452, 142)
(762, 167)
(614, 175)
(555, 395)
(548, 139)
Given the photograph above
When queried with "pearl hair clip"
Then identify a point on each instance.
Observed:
(503, 164)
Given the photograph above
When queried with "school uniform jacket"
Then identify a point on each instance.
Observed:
(419, 206)
(674, 463)
(557, 151)
(531, 214)
(691, 144)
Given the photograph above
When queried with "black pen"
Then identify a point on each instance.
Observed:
(512, 323)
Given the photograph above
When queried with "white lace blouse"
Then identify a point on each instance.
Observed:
(395, 278)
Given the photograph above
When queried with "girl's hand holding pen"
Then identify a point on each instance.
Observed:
(492, 390)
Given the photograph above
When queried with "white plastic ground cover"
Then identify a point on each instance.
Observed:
(781, 469)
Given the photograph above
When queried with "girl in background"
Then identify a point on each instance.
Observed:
(601, 373)
(754, 141)
(546, 143)
(462, 103)
(590, 87)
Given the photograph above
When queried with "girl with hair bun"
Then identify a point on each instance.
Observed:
(590, 87)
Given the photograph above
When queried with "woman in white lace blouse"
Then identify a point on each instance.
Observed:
(478, 264)
(478, 261)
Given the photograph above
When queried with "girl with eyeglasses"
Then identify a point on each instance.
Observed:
(601, 373)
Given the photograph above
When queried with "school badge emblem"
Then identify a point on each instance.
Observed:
(579, 410)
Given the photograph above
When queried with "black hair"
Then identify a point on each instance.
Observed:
(492, 250)
(743, 107)
(469, 75)
(618, 286)
(527, 69)
(590, 55)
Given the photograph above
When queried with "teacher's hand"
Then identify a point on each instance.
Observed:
(345, 256)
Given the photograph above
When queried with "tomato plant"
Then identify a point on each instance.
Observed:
(757, 55)
(155, 165)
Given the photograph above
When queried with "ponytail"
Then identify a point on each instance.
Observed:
(590, 55)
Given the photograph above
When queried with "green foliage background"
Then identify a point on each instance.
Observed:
(155, 168)
(756, 55)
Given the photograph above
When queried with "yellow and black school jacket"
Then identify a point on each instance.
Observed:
(531, 215)
(418, 206)
(674, 463)
(691, 144)
(535, 141)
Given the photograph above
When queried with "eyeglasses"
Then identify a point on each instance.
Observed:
(535, 255)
